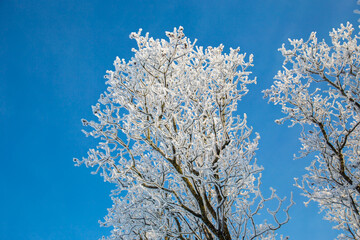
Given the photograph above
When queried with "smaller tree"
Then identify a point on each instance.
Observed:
(183, 164)
(319, 89)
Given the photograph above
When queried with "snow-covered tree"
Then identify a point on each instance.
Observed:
(182, 162)
(319, 88)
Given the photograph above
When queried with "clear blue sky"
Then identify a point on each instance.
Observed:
(53, 57)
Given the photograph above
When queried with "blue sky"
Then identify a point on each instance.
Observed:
(53, 57)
